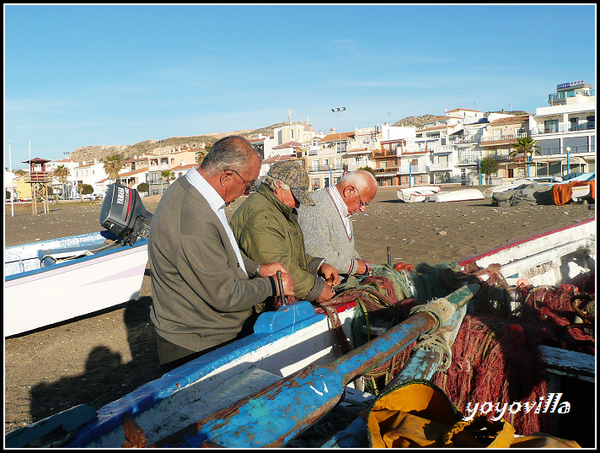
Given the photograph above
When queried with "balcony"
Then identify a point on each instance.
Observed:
(412, 170)
(564, 127)
(441, 166)
(389, 171)
(502, 139)
(317, 168)
(384, 153)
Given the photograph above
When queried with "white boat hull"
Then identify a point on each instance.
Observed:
(456, 195)
(37, 296)
(417, 194)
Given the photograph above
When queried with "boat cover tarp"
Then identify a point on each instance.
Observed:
(562, 193)
(528, 193)
(419, 414)
(533, 193)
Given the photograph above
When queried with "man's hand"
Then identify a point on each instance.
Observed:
(362, 266)
(268, 269)
(288, 285)
(330, 274)
(326, 294)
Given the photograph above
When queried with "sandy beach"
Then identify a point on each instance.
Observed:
(100, 358)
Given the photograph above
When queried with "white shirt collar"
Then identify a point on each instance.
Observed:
(342, 209)
(212, 196)
(217, 204)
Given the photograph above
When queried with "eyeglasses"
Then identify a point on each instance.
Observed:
(362, 203)
(248, 184)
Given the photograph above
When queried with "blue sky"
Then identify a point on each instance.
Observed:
(79, 75)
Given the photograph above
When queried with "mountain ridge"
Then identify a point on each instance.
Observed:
(102, 152)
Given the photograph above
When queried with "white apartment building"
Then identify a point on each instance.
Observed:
(565, 131)
(91, 173)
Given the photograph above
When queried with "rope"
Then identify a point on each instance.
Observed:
(387, 295)
(80, 254)
(438, 344)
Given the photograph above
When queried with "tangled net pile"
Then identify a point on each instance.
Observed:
(496, 355)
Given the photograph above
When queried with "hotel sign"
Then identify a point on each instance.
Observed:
(568, 84)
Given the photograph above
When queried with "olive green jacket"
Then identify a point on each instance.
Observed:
(267, 231)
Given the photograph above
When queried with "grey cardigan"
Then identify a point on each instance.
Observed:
(325, 235)
(200, 295)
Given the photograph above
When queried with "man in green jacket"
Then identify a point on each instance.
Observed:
(267, 230)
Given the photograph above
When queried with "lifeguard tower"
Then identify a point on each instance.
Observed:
(39, 178)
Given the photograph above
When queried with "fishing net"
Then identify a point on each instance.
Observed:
(495, 356)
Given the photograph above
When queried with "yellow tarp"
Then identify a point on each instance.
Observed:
(419, 414)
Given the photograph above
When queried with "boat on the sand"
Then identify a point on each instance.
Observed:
(417, 194)
(308, 367)
(52, 281)
(456, 195)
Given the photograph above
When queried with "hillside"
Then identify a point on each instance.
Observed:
(101, 152)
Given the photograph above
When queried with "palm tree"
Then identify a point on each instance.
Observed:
(167, 175)
(62, 173)
(523, 147)
(112, 166)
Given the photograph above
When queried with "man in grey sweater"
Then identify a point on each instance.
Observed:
(203, 287)
(327, 227)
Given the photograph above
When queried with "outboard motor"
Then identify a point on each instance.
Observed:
(124, 214)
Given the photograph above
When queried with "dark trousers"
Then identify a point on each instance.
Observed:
(171, 356)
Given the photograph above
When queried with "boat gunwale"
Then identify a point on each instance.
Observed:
(147, 396)
(522, 241)
(122, 249)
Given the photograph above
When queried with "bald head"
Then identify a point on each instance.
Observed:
(357, 189)
(233, 152)
(363, 180)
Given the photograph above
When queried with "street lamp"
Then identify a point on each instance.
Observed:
(339, 112)
(479, 168)
(330, 175)
(568, 150)
(528, 155)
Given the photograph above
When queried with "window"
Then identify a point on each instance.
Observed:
(574, 124)
(550, 126)
(591, 122)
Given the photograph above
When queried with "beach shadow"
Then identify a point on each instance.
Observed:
(106, 377)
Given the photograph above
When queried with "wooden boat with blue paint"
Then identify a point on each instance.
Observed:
(52, 281)
(270, 387)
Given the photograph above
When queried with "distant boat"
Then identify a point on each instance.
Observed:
(456, 195)
(56, 280)
(417, 194)
(580, 190)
